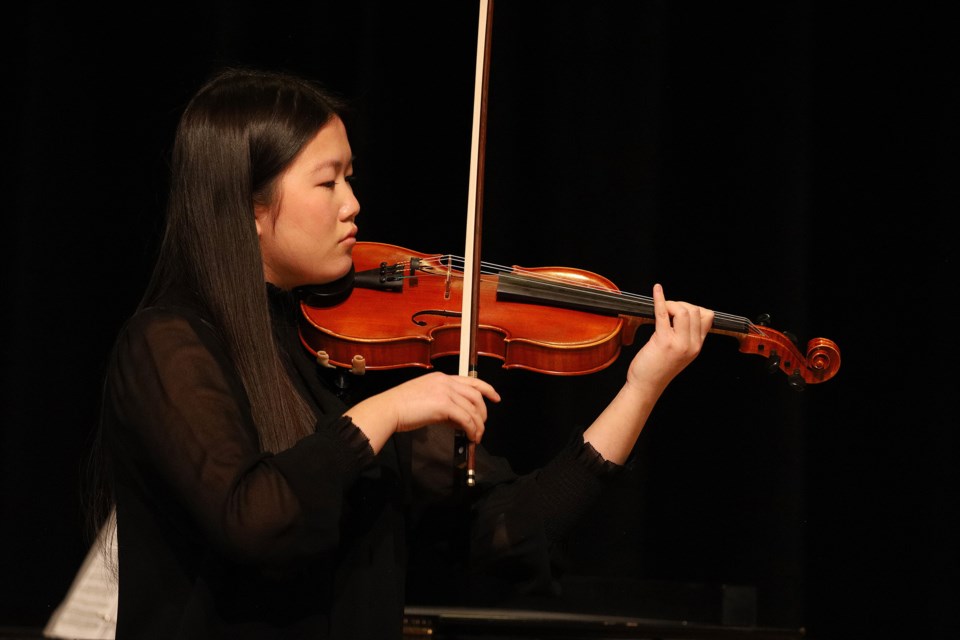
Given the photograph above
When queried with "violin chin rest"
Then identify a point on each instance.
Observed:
(329, 294)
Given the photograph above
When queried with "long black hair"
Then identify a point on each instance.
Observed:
(235, 138)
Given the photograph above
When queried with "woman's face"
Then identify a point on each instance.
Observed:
(307, 234)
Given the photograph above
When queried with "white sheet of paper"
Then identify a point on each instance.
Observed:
(89, 610)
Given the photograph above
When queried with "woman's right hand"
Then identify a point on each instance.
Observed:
(437, 398)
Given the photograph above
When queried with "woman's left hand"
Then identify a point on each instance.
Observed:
(680, 329)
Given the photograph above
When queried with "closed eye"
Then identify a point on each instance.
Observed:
(331, 184)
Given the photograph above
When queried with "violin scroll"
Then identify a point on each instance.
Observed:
(821, 362)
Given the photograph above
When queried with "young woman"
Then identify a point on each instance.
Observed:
(251, 502)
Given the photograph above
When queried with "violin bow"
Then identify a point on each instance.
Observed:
(465, 451)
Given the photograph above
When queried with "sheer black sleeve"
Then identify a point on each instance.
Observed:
(517, 525)
(499, 541)
(183, 438)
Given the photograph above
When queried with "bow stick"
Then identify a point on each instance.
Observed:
(464, 451)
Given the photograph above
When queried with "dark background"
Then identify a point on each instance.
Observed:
(793, 158)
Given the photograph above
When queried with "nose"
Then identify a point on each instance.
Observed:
(350, 206)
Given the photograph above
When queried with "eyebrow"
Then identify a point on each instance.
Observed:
(336, 164)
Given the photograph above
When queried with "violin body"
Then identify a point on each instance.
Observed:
(404, 310)
(412, 325)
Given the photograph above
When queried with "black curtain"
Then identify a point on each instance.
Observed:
(794, 159)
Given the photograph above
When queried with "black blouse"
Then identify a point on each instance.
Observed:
(218, 539)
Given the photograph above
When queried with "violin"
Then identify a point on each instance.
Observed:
(402, 308)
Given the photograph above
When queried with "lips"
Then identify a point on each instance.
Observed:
(350, 237)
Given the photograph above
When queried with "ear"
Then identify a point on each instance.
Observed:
(260, 215)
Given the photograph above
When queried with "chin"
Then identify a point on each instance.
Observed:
(332, 276)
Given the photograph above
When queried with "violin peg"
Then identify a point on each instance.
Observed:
(773, 363)
(358, 366)
(323, 359)
(763, 320)
(796, 381)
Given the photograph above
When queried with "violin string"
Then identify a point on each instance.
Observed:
(495, 269)
(490, 268)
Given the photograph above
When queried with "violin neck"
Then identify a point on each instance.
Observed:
(526, 288)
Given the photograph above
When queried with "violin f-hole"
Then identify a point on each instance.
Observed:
(433, 312)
